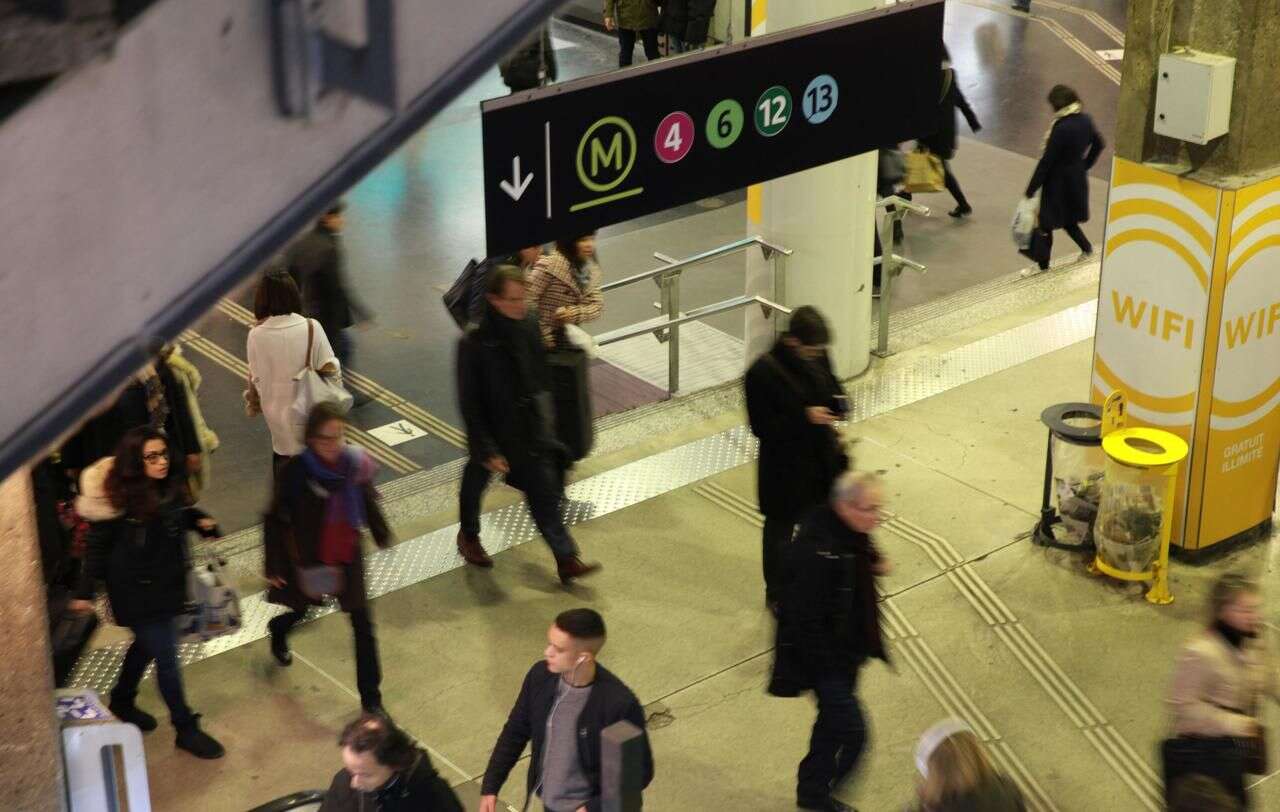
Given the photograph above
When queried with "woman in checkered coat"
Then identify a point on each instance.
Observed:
(564, 288)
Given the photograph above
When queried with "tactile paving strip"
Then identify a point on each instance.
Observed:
(426, 556)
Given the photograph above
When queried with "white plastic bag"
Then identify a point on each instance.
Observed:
(1025, 218)
(581, 339)
(215, 606)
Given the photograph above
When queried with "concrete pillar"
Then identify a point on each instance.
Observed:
(30, 757)
(1248, 30)
(1193, 240)
(825, 215)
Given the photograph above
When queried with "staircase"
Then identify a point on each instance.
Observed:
(158, 169)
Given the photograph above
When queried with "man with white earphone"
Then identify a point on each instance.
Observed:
(567, 699)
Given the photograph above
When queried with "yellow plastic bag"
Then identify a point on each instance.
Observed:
(924, 172)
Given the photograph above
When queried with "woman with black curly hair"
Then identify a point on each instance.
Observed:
(140, 512)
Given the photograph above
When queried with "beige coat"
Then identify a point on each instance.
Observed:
(189, 379)
(1210, 677)
(552, 286)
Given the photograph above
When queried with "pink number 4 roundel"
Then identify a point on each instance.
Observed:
(674, 137)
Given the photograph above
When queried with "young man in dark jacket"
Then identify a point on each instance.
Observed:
(830, 626)
(317, 264)
(385, 771)
(506, 406)
(566, 701)
(792, 398)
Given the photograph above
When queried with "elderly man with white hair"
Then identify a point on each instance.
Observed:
(830, 626)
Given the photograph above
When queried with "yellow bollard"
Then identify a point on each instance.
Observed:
(1138, 496)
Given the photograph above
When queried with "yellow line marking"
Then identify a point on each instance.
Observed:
(1068, 39)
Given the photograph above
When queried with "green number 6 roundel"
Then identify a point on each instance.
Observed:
(724, 124)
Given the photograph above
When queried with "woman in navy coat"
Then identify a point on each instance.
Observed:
(1071, 149)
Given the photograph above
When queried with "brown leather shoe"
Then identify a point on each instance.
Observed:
(572, 566)
(472, 551)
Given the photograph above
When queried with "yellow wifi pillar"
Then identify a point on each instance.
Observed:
(1188, 312)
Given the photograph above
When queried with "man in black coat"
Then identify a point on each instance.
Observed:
(506, 406)
(317, 264)
(793, 400)
(830, 626)
(566, 702)
(1062, 175)
(385, 771)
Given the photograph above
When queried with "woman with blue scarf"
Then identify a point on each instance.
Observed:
(324, 499)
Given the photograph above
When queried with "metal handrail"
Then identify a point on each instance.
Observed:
(891, 265)
(657, 325)
(698, 259)
(667, 279)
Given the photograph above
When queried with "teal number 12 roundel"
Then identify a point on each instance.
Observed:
(820, 99)
(773, 111)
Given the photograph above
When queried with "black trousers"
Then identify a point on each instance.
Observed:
(838, 740)
(777, 536)
(368, 668)
(543, 492)
(1076, 235)
(953, 185)
(627, 45)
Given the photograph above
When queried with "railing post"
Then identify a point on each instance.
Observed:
(779, 286)
(671, 307)
(887, 271)
(621, 767)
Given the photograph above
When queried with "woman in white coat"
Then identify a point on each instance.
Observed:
(277, 352)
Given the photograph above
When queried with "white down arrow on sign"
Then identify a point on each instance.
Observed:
(516, 186)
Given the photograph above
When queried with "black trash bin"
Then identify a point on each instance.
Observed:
(1073, 471)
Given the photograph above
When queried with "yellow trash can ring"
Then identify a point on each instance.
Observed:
(1135, 515)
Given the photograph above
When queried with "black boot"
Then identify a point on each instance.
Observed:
(196, 742)
(279, 645)
(129, 712)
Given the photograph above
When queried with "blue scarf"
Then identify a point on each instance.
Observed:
(343, 484)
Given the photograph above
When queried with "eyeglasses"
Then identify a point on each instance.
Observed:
(156, 456)
(876, 509)
(329, 438)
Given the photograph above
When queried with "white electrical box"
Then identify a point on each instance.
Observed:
(1193, 96)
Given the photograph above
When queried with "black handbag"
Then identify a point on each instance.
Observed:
(1222, 758)
(570, 387)
(458, 298)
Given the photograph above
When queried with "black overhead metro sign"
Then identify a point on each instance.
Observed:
(565, 160)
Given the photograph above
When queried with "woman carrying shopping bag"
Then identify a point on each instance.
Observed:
(1219, 679)
(1071, 148)
(324, 499)
(140, 512)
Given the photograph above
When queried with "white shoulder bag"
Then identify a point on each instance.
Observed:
(312, 387)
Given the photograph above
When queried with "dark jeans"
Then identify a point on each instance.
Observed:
(543, 492)
(368, 669)
(838, 739)
(953, 185)
(627, 44)
(778, 532)
(154, 640)
(344, 347)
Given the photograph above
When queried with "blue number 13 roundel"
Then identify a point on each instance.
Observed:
(820, 99)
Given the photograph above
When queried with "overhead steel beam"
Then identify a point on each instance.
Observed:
(142, 187)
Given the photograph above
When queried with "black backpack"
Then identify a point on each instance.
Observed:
(464, 296)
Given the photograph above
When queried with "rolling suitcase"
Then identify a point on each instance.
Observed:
(571, 395)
